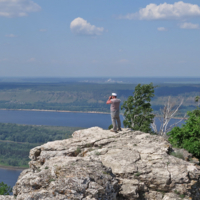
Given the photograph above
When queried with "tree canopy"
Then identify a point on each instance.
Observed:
(137, 109)
(188, 135)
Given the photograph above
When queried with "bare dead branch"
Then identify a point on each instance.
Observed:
(167, 113)
(153, 126)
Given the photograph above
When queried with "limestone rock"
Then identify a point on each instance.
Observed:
(99, 164)
(64, 177)
(6, 197)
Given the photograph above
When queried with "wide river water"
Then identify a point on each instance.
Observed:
(51, 119)
(55, 118)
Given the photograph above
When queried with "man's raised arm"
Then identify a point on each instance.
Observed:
(109, 100)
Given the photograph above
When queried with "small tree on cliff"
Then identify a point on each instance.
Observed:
(5, 189)
(138, 112)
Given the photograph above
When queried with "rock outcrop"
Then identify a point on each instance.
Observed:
(97, 164)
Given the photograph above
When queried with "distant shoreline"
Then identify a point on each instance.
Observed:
(68, 111)
(38, 110)
(12, 167)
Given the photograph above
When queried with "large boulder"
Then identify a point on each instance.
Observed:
(99, 164)
(64, 177)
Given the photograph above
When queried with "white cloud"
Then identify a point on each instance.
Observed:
(188, 25)
(11, 35)
(17, 8)
(43, 30)
(177, 10)
(80, 26)
(161, 29)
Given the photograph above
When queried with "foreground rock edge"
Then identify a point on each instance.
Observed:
(99, 164)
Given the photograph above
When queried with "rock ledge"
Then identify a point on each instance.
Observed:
(99, 164)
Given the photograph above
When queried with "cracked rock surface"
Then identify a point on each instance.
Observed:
(97, 164)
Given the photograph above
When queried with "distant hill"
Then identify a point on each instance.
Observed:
(75, 96)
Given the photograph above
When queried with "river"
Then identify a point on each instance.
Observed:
(55, 118)
(51, 119)
(9, 176)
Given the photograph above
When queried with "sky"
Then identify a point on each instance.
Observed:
(99, 38)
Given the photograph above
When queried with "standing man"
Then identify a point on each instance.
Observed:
(114, 109)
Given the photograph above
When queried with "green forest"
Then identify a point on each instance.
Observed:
(17, 140)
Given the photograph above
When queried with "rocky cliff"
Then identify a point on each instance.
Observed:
(99, 164)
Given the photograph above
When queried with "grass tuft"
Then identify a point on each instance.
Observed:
(177, 154)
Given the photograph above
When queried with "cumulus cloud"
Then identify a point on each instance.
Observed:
(189, 25)
(11, 35)
(177, 10)
(17, 8)
(161, 29)
(79, 26)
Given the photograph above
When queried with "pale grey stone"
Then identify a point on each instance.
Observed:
(97, 164)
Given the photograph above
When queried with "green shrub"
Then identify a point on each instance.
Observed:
(110, 127)
(188, 136)
(5, 189)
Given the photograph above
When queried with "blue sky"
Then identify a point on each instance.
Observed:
(87, 38)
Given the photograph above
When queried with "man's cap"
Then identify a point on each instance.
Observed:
(114, 94)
